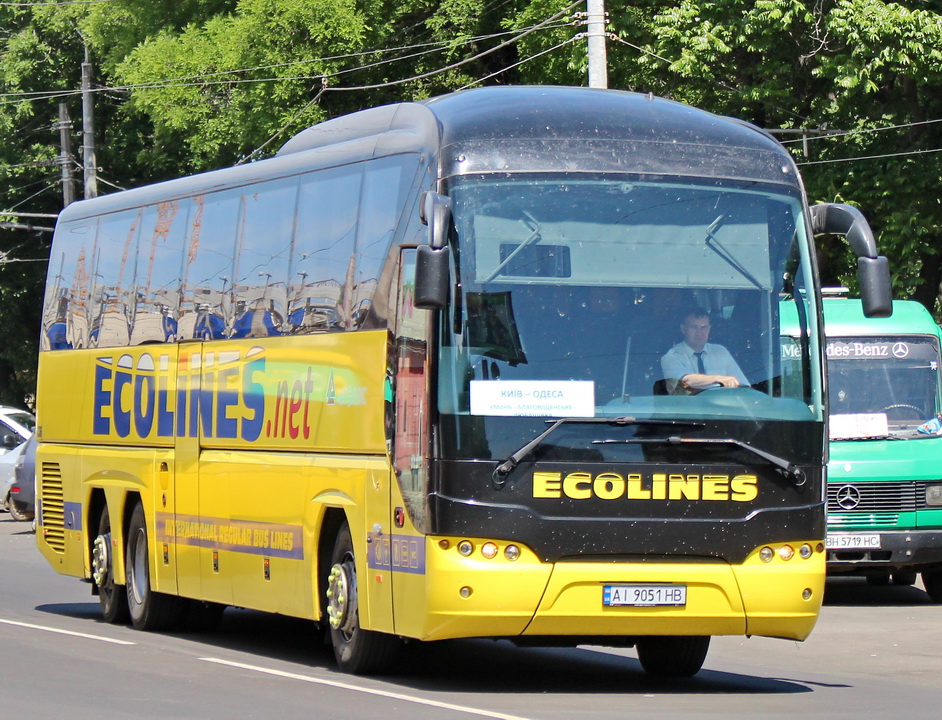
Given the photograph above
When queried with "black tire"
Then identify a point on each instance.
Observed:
(673, 656)
(904, 578)
(19, 512)
(149, 610)
(932, 580)
(112, 598)
(358, 651)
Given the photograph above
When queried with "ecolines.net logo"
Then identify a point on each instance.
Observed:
(211, 394)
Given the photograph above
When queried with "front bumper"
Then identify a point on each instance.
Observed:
(914, 549)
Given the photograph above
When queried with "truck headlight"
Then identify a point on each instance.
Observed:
(934, 495)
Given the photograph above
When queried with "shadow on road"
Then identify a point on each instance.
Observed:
(459, 666)
(856, 591)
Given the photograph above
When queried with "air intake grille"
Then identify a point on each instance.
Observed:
(53, 506)
(876, 497)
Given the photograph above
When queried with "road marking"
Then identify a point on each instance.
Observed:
(66, 632)
(368, 691)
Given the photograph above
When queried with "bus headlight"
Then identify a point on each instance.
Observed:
(805, 551)
(489, 550)
(934, 495)
(511, 552)
(786, 552)
(766, 554)
(465, 548)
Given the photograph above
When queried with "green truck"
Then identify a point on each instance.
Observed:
(884, 481)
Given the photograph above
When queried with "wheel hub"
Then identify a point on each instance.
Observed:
(101, 559)
(342, 597)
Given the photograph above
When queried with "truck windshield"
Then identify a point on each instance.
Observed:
(571, 289)
(881, 384)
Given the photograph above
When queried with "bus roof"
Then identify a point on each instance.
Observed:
(548, 128)
(508, 129)
(844, 317)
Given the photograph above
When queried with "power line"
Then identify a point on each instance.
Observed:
(325, 87)
(453, 66)
(871, 157)
(190, 80)
(864, 131)
(521, 62)
(54, 2)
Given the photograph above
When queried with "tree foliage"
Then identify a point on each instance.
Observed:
(853, 86)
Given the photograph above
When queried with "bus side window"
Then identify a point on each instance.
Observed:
(65, 322)
(380, 207)
(209, 264)
(323, 259)
(263, 253)
(112, 279)
(156, 302)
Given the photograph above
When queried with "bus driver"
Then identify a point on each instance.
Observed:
(697, 364)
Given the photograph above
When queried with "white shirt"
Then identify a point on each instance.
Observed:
(717, 360)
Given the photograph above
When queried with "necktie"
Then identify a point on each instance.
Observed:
(700, 368)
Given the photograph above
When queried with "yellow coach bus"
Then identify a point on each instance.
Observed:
(405, 380)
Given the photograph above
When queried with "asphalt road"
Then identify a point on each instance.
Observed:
(876, 653)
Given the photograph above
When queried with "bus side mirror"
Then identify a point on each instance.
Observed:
(873, 271)
(431, 277)
(435, 211)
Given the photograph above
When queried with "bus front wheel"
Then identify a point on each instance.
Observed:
(358, 651)
(673, 656)
(111, 597)
(149, 610)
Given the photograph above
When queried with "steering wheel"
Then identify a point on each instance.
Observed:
(903, 406)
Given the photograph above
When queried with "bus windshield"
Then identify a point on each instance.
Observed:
(892, 377)
(573, 288)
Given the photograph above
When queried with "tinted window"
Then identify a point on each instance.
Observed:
(160, 258)
(65, 318)
(113, 269)
(264, 250)
(209, 264)
(322, 261)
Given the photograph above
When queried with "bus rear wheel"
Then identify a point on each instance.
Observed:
(149, 610)
(112, 598)
(673, 656)
(358, 651)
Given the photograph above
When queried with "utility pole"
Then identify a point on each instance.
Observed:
(65, 155)
(598, 60)
(88, 131)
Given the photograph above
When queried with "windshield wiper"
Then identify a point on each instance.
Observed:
(716, 246)
(790, 471)
(533, 239)
(499, 476)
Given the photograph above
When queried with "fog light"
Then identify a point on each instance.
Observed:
(444, 544)
(819, 548)
(934, 495)
(786, 552)
(766, 554)
(806, 594)
(465, 592)
(489, 550)
(805, 551)
(511, 552)
(465, 548)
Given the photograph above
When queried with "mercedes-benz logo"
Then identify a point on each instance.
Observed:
(848, 497)
(900, 350)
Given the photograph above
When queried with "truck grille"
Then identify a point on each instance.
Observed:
(876, 497)
(53, 506)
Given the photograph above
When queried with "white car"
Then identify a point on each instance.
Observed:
(8, 472)
(15, 427)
